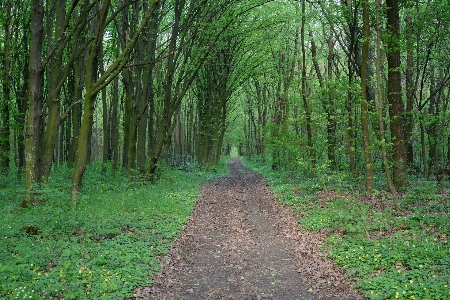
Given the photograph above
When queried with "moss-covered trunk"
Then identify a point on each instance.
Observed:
(364, 110)
(310, 149)
(79, 77)
(170, 100)
(146, 100)
(94, 85)
(53, 101)
(115, 124)
(5, 130)
(83, 142)
(89, 100)
(330, 105)
(35, 85)
(395, 94)
(380, 110)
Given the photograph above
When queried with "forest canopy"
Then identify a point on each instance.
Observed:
(113, 113)
(308, 86)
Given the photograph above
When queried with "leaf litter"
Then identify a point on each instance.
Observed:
(241, 244)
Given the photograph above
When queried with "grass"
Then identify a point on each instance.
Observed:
(105, 245)
(390, 249)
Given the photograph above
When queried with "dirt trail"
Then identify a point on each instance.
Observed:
(240, 244)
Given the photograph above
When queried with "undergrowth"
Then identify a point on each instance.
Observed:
(104, 245)
(390, 249)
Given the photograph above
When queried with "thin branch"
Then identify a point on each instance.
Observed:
(66, 113)
(163, 57)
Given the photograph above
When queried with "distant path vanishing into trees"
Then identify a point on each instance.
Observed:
(241, 244)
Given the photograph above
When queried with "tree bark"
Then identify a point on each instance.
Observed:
(310, 149)
(79, 79)
(395, 94)
(22, 101)
(410, 89)
(330, 106)
(36, 77)
(89, 100)
(5, 129)
(93, 86)
(147, 99)
(387, 169)
(106, 132)
(53, 101)
(169, 107)
(115, 124)
(364, 110)
(351, 66)
(432, 128)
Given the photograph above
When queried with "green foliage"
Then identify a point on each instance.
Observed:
(103, 246)
(392, 250)
(404, 266)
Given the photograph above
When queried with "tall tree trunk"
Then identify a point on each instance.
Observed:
(364, 111)
(177, 136)
(68, 135)
(89, 100)
(330, 109)
(115, 124)
(351, 66)
(79, 78)
(276, 130)
(5, 145)
(61, 140)
(93, 86)
(162, 135)
(395, 94)
(53, 101)
(132, 133)
(151, 125)
(221, 132)
(327, 100)
(123, 31)
(36, 77)
(147, 98)
(310, 149)
(410, 89)
(22, 98)
(380, 107)
(22, 110)
(132, 107)
(106, 132)
(263, 122)
(423, 146)
(432, 126)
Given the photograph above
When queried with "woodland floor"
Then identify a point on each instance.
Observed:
(241, 244)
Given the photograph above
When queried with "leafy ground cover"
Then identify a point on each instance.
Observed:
(103, 246)
(390, 249)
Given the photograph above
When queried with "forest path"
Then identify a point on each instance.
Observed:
(241, 244)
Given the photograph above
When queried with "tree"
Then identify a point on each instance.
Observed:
(94, 85)
(40, 145)
(383, 142)
(304, 88)
(395, 93)
(36, 71)
(6, 73)
(364, 110)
